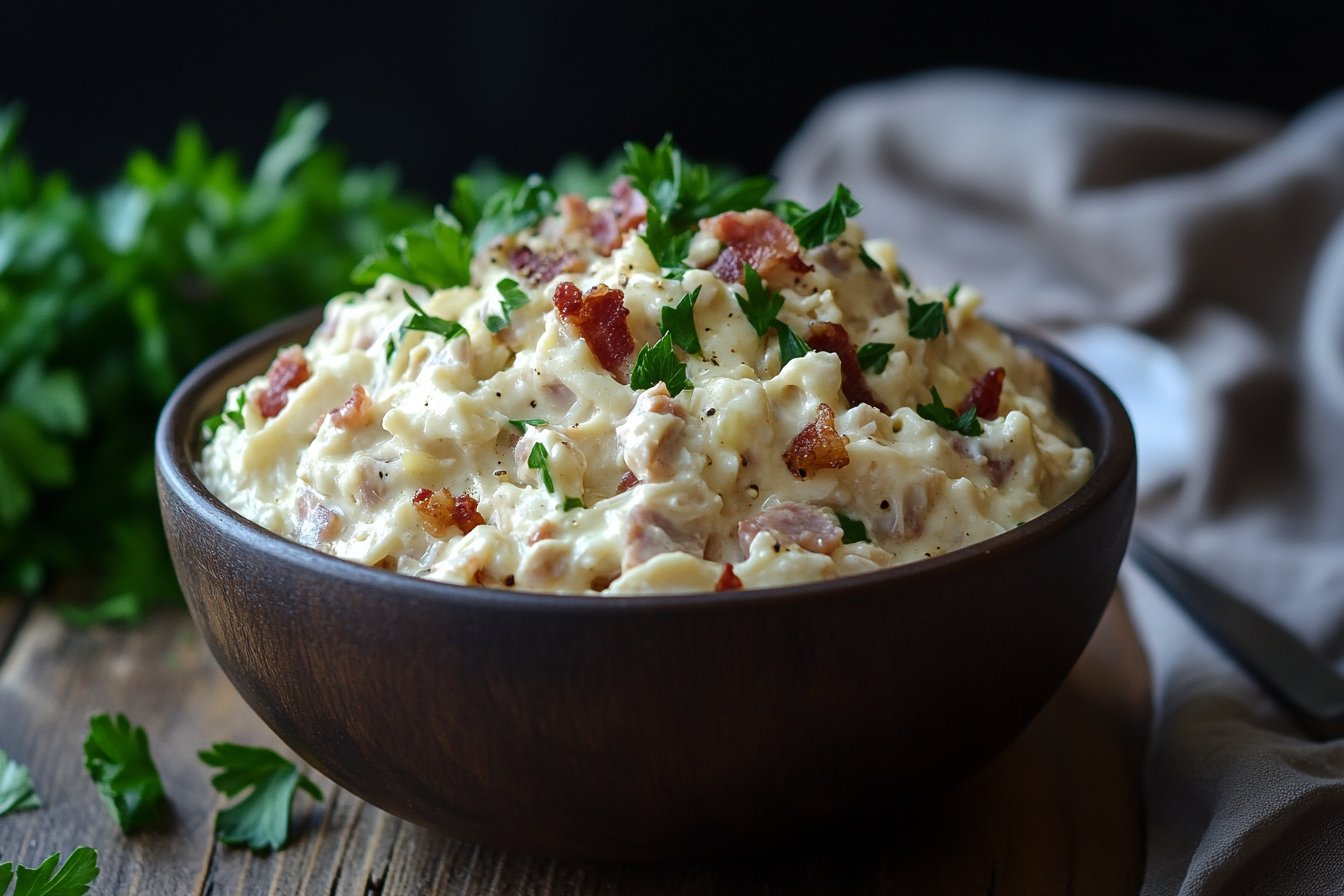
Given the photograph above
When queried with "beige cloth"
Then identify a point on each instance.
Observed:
(1186, 250)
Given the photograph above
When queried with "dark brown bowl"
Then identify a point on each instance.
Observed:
(645, 727)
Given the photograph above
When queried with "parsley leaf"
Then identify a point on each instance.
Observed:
(788, 211)
(573, 504)
(904, 275)
(947, 418)
(511, 299)
(761, 304)
(53, 879)
(539, 460)
(656, 364)
(854, 530)
(683, 192)
(514, 208)
(790, 346)
(952, 294)
(16, 789)
(679, 322)
(869, 261)
(118, 760)
(874, 355)
(668, 247)
(261, 819)
(524, 424)
(436, 254)
(927, 320)
(448, 329)
(390, 349)
(235, 416)
(827, 223)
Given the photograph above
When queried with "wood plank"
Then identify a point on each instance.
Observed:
(1058, 812)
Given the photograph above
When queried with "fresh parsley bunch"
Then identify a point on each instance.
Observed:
(51, 878)
(108, 298)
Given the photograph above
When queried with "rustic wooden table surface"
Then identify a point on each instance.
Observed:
(1059, 811)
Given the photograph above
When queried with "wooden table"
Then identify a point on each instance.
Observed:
(1059, 811)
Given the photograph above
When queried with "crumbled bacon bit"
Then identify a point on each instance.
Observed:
(288, 371)
(545, 267)
(984, 395)
(800, 524)
(356, 413)
(599, 315)
(627, 211)
(729, 580)
(758, 238)
(440, 512)
(823, 336)
(574, 213)
(318, 524)
(817, 446)
(628, 481)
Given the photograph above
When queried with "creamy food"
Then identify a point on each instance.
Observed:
(417, 451)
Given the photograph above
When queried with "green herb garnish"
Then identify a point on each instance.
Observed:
(51, 878)
(448, 329)
(235, 416)
(761, 304)
(927, 320)
(514, 208)
(573, 504)
(678, 321)
(261, 819)
(668, 247)
(511, 299)
(390, 348)
(874, 355)
(436, 254)
(904, 275)
(869, 261)
(524, 424)
(118, 760)
(937, 412)
(656, 364)
(682, 192)
(827, 223)
(952, 294)
(854, 530)
(790, 346)
(539, 459)
(16, 788)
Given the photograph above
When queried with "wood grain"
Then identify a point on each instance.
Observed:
(1059, 811)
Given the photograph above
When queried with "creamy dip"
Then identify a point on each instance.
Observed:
(415, 452)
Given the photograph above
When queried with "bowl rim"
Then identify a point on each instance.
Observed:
(1115, 461)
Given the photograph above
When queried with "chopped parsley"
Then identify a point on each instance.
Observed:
(524, 424)
(683, 192)
(261, 819)
(573, 504)
(952, 294)
(118, 760)
(51, 878)
(904, 275)
(679, 323)
(668, 247)
(16, 788)
(511, 299)
(947, 418)
(436, 254)
(514, 208)
(390, 349)
(874, 355)
(789, 211)
(761, 304)
(790, 346)
(448, 329)
(656, 364)
(235, 416)
(826, 223)
(854, 530)
(539, 459)
(927, 320)
(869, 261)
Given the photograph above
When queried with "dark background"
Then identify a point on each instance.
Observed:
(433, 86)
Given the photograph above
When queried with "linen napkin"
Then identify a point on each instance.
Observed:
(1192, 254)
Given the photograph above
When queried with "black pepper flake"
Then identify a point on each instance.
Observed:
(508, 581)
(709, 413)
(885, 505)
(776, 547)
(533, 402)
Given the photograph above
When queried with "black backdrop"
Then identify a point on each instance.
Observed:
(432, 86)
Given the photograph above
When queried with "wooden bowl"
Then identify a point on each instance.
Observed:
(645, 727)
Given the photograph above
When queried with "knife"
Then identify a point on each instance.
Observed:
(1290, 671)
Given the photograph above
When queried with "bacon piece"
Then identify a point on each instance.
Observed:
(574, 213)
(758, 238)
(318, 524)
(799, 524)
(984, 395)
(356, 413)
(599, 315)
(729, 580)
(627, 211)
(817, 446)
(440, 512)
(545, 267)
(823, 336)
(628, 481)
(287, 372)
(649, 533)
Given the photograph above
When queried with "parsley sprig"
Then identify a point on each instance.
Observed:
(524, 424)
(683, 192)
(936, 412)
(656, 364)
(540, 460)
(853, 528)
(261, 819)
(436, 254)
(874, 355)
(421, 320)
(514, 207)
(16, 788)
(825, 224)
(511, 299)
(678, 321)
(668, 246)
(869, 261)
(927, 320)
(117, 758)
(762, 305)
(234, 416)
(51, 878)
